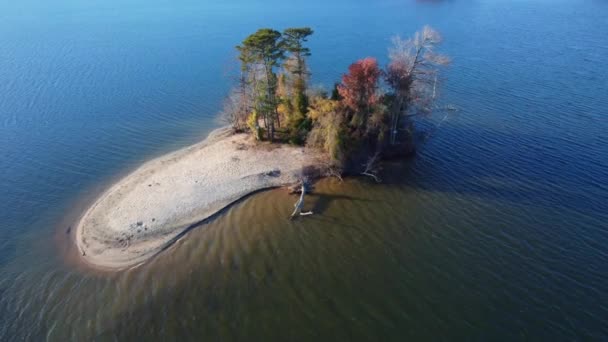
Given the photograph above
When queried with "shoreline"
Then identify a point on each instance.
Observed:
(152, 207)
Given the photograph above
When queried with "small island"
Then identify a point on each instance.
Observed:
(280, 132)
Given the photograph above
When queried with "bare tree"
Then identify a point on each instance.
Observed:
(372, 167)
(237, 107)
(412, 74)
(332, 169)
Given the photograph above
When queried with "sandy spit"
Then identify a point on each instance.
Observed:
(147, 210)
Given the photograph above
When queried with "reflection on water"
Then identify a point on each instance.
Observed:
(495, 230)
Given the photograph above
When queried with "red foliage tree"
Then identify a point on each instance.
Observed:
(358, 87)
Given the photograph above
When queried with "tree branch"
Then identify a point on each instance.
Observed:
(371, 167)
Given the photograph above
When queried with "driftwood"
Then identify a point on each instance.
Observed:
(300, 204)
(297, 188)
(333, 171)
(372, 167)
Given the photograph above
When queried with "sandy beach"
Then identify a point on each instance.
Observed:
(147, 210)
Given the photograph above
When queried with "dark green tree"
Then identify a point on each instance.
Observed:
(265, 48)
(293, 41)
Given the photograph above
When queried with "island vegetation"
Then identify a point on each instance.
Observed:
(369, 115)
(282, 132)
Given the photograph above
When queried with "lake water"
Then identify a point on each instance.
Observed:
(496, 230)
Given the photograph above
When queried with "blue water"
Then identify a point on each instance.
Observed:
(496, 230)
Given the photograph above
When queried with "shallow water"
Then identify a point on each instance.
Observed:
(497, 229)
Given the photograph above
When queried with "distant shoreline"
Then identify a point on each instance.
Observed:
(149, 209)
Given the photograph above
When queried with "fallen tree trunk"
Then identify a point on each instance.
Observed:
(300, 204)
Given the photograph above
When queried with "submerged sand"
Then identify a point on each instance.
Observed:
(146, 211)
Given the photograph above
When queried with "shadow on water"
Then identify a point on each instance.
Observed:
(323, 201)
(554, 172)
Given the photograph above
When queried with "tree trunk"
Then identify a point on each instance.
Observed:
(300, 204)
(270, 100)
